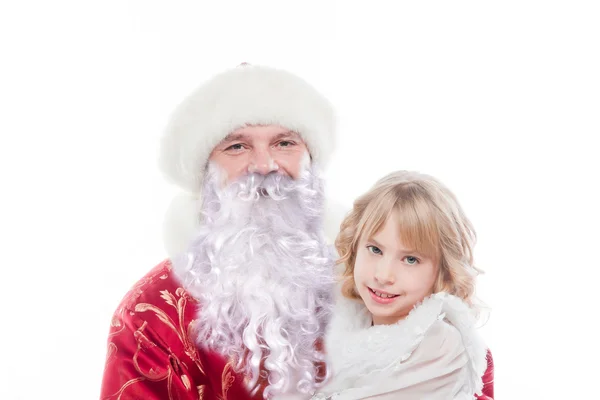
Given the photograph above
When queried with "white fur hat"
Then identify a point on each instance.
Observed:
(245, 95)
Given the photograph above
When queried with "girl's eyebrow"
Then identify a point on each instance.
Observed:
(376, 243)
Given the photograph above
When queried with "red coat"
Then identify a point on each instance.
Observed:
(152, 354)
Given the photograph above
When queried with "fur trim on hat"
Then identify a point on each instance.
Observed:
(246, 95)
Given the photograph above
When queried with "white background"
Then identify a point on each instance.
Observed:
(500, 100)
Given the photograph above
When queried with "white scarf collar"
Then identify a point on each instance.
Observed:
(357, 349)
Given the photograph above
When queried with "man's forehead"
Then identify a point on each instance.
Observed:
(251, 135)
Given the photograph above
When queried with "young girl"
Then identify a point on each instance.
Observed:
(403, 327)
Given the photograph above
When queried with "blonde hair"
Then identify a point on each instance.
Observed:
(430, 221)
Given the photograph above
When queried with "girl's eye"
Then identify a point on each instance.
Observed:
(411, 260)
(374, 249)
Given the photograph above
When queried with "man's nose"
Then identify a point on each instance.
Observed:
(262, 162)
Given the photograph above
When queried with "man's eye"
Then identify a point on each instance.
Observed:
(286, 143)
(237, 146)
(374, 249)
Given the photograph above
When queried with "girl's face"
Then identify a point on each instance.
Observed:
(391, 278)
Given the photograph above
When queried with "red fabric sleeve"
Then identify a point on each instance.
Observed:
(139, 366)
(488, 380)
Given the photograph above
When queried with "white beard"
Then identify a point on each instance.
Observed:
(261, 268)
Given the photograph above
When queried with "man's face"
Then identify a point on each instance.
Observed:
(260, 149)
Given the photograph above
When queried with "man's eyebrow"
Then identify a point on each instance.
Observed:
(240, 136)
(286, 134)
(233, 136)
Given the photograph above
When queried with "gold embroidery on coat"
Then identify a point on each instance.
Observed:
(125, 386)
(227, 379)
(183, 332)
(186, 382)
(201, 391)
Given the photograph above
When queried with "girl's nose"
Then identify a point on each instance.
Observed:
(383, 274)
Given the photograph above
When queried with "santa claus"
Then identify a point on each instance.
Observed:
(238, 310)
